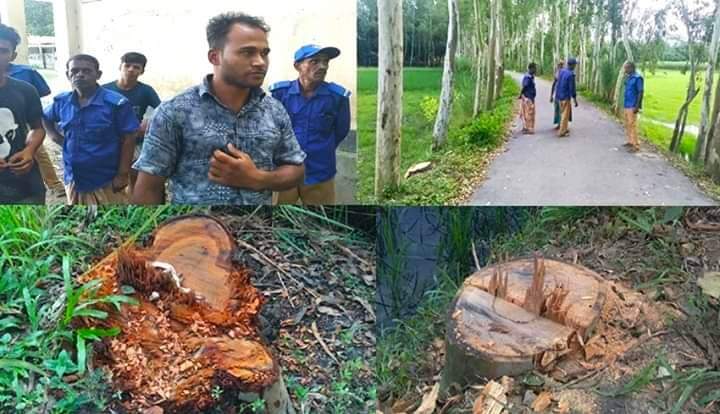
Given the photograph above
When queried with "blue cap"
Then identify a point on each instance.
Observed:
(572, 61)
(312, 50)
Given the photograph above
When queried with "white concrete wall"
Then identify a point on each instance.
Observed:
(171, 33)
(12, 13)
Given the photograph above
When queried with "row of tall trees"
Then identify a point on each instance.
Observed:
(499, 34)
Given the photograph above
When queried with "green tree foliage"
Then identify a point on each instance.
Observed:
(39, 17)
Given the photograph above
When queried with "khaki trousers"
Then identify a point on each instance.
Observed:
(314, 194)
(528, 114)
(631, 127)
(565, 113)
(101, 196)
(47, 170)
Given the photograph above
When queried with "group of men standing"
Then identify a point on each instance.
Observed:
(564, 93)
(224, 141)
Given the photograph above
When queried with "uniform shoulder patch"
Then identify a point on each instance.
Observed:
(62, 96)
(337, 89)
(280, 85)
(114, 98)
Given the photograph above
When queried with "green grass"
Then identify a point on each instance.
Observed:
(41, 248)
(665, 93)
(469, 140)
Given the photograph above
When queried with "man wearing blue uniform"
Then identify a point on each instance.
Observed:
(141, 96)
(98, 135)
(634, 91)
(47, 170)
(320, 114)
(565, 91)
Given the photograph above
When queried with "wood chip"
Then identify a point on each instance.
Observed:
(492, 400)
(542, 402)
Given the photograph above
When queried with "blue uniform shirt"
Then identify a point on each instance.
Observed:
(93, 136)
(31, 76)
(528, 87)
(633, 87)
(566, 85)
(320, 124)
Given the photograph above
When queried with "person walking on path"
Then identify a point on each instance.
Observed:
(527, 100)
(98, 136)
(556, 119)
(320, 115)
(565, 92)
(634, 91)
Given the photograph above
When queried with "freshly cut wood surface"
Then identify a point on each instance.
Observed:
(195, 325)
(585, 293)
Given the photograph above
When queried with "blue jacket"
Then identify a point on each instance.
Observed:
(566, 85)
(320, 124)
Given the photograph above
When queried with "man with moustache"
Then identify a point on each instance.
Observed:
(320, 114)
(98, 135)
(21, 131)
(224, 141)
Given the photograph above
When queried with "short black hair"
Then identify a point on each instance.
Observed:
(86, 58)
(219, 26)
(630, 63)
(134, 57)
(9, 34)
(532, 65)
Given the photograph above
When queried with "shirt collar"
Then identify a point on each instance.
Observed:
(97, 98)
(14, 69)
(256, 94)
(295, 88)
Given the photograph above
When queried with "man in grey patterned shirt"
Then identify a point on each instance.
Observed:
(225, 141)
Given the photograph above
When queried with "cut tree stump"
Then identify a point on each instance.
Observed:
(192, 341)
(518, 316)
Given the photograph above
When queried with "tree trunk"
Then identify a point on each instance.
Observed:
(442, 121)
(556, 50)
(506, 318)
(713, 164)
(478, 60)
(714, 115)
(701, 152)
(500, 51)
(620, 83)
(390, 91)
(194, 327)
(492, 45)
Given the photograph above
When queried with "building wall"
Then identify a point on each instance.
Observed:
(171, 33)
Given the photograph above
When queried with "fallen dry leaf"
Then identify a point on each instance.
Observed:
(542, 402)
(429, 401)
(710, 284)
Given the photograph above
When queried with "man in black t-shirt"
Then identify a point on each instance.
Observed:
(20, 109)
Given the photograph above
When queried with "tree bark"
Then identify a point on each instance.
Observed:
(620, 83)
(478, 60)
(390, 92)
(500, 51)
(442, 121)
(492, 45)
(701, 151)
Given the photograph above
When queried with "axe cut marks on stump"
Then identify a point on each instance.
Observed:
(510, 318)
(194, 329)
